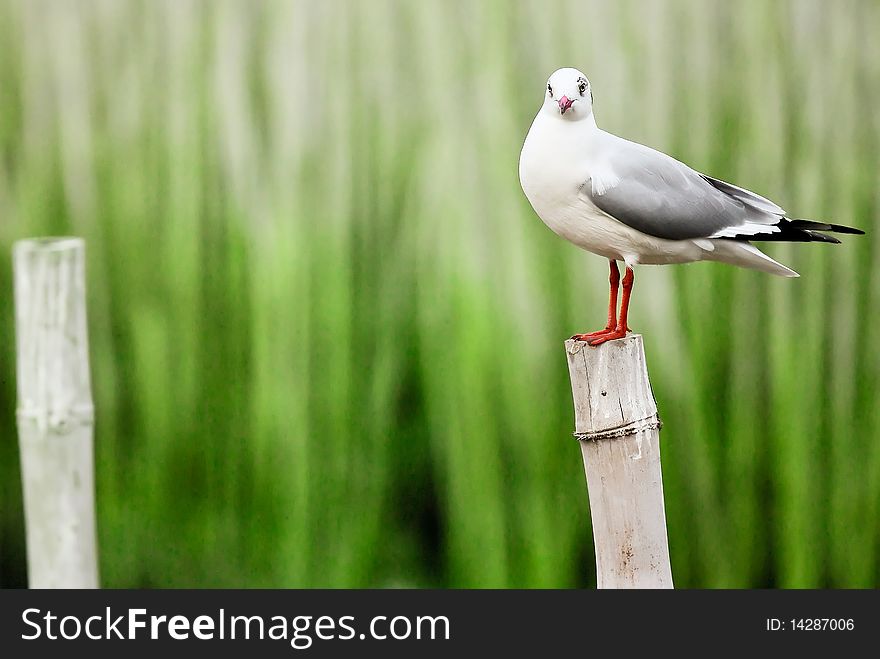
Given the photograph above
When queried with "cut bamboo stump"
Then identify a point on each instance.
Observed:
(619, 431)
(55, 414)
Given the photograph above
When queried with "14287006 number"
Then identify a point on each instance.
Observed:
(822, 624)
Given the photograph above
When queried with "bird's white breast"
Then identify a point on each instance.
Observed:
(555, 164)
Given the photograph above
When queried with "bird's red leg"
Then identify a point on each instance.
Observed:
(622, 328)
(614, 280)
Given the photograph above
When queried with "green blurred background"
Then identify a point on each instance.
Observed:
(326, 327)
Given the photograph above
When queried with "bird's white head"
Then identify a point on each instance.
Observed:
(568, 95)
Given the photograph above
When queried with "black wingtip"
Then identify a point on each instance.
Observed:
(812, 225)
(822, 238)
(802, 231)
(840, 228)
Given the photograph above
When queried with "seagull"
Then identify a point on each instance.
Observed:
(628, 202)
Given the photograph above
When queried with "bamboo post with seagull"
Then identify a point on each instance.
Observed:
(55, 413)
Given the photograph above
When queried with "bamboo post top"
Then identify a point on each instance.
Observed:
(611, 390)
(53, 378)
(49, 243)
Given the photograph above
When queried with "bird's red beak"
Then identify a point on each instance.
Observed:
(564, 103)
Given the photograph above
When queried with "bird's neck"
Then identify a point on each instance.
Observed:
(590, 121)
(575, 134)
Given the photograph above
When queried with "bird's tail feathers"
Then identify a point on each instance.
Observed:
(746, 255)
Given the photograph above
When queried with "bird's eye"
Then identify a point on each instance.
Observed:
(550, 90)
(582, 88)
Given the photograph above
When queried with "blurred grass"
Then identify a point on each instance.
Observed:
(326, 327)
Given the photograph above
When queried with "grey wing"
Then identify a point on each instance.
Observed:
(660, 196)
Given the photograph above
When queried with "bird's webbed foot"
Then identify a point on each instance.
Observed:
(592, 335)
(600, 337)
